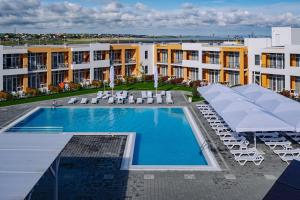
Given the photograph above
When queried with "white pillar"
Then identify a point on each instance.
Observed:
(91, 73)
(200, 63)
(287, 84)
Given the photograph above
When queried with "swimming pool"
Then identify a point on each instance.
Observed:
(163, 136)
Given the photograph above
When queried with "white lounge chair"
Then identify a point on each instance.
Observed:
(120, 100)
(244, 152)
(267, 135)
(169, 100)
(124, 94)
(149, 100)
(256, 159)
(273, 145)
(144, 95)
(131, 100)
(289, 158)
(241, 143)
(149, 94)
(84, 101)
(111, 100)
(94, 100)
(293, 135)
(139, 100)
(273, 139)
(73, 100)
(168, 93)
(100, 94)
(106, 95)
(232, 138)
(159, 99)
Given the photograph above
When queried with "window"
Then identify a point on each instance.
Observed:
(146, 70)
(178, 57)
(79, 75)
(146, 55)
(58, 60)
(12, 83)
(36, 80)
(78, 57)
(213, 57)
(194, 74)
(99, 55)
(297, 85)
(58, 77)
(234, 60)
(193, 55)
(257, 59)
(213, 76)
(129, 70)
(276, 82)
(163, 58)
(12, 61)
(163, 70)
(276, 61)
(256, 78)
(234, 78)
(36, 61)
(178, 72)
(98, 74)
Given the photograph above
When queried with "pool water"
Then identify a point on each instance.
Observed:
(163, 135)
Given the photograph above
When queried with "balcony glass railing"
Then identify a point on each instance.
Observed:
(60, 66)
(177, 61)
(116, 62)
(130, 60)
(13, 67)
(233, 65)
(37, 67)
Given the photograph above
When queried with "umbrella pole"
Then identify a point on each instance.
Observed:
(255, 140)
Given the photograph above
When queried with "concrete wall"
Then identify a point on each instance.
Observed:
(147, 62)
(296, 36)
(281, 36)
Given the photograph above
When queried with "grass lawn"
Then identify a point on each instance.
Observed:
(134, 86)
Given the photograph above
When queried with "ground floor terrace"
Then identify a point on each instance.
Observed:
(90, 166)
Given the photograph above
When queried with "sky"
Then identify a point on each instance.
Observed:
(149, 17)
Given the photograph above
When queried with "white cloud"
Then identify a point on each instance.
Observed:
(65, 15)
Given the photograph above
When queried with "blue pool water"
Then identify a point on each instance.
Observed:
(163, 135)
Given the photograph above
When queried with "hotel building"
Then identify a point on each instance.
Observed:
(272, 62)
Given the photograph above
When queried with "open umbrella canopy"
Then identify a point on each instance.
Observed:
(239, 112)
(282, 107)
(254, 121)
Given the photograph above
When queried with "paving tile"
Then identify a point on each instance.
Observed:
(270, 177)
(189, 176)
(148, 176)
(230, 176)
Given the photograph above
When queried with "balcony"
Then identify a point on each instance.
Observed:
(37, 68)
(191, 63)
(163, 61)
(130, 60)
(233, 65)
(61, 66)
(116, 62)
(176, 62)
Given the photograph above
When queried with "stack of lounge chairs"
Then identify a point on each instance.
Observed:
(280, 145)
(121, 97)
(236, 143)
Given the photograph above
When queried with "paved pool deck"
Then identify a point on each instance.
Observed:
(90, 167)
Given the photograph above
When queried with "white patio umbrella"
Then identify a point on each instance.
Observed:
(112, 78)
(155, 78)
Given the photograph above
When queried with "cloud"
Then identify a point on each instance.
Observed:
(34, 14)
